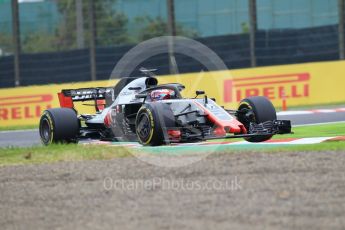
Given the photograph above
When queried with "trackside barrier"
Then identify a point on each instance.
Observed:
(300, 84)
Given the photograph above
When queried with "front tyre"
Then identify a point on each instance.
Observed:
(152, 122)
(60, 125)
(257, 110)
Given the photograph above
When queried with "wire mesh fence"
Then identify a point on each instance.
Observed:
(60, 40)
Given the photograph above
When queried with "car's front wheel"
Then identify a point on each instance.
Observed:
(256, 110)
(152, 122)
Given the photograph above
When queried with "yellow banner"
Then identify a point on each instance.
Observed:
(24, 105)
(301, 84)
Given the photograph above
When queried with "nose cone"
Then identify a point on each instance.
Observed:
(233, 126)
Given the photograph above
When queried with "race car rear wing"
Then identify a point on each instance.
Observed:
(98, 95)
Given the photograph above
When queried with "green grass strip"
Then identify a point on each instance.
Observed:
(58, 153)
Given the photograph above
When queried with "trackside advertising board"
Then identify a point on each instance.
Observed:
(24, 105)
(301, 84)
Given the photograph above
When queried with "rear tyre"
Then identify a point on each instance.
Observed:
(258, 110)
(60, 125)
(152, 122)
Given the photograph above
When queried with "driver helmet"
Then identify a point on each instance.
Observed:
(162, 94)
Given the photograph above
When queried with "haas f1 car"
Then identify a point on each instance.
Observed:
(139, 109)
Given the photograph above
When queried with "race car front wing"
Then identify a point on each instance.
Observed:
(267, 128)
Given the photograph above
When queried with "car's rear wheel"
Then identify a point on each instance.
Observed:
(152, 122)
(59, 125)
(257, 110)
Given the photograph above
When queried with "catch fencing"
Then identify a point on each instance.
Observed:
(273, 47)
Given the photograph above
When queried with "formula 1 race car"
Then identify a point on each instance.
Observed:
(138, 109)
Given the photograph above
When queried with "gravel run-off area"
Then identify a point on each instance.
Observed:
(304, 190)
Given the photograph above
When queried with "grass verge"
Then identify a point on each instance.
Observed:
(57, 153)
(21, 127)
(323, 130)
(322, 147)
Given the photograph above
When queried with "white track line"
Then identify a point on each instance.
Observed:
(301, 141)
(289, 113)
(315, 111)
(322, 123)
(19, 131)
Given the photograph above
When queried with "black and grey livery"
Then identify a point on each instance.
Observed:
(127, 113)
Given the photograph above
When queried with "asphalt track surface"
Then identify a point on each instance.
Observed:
(31, 137)
(315, 118)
